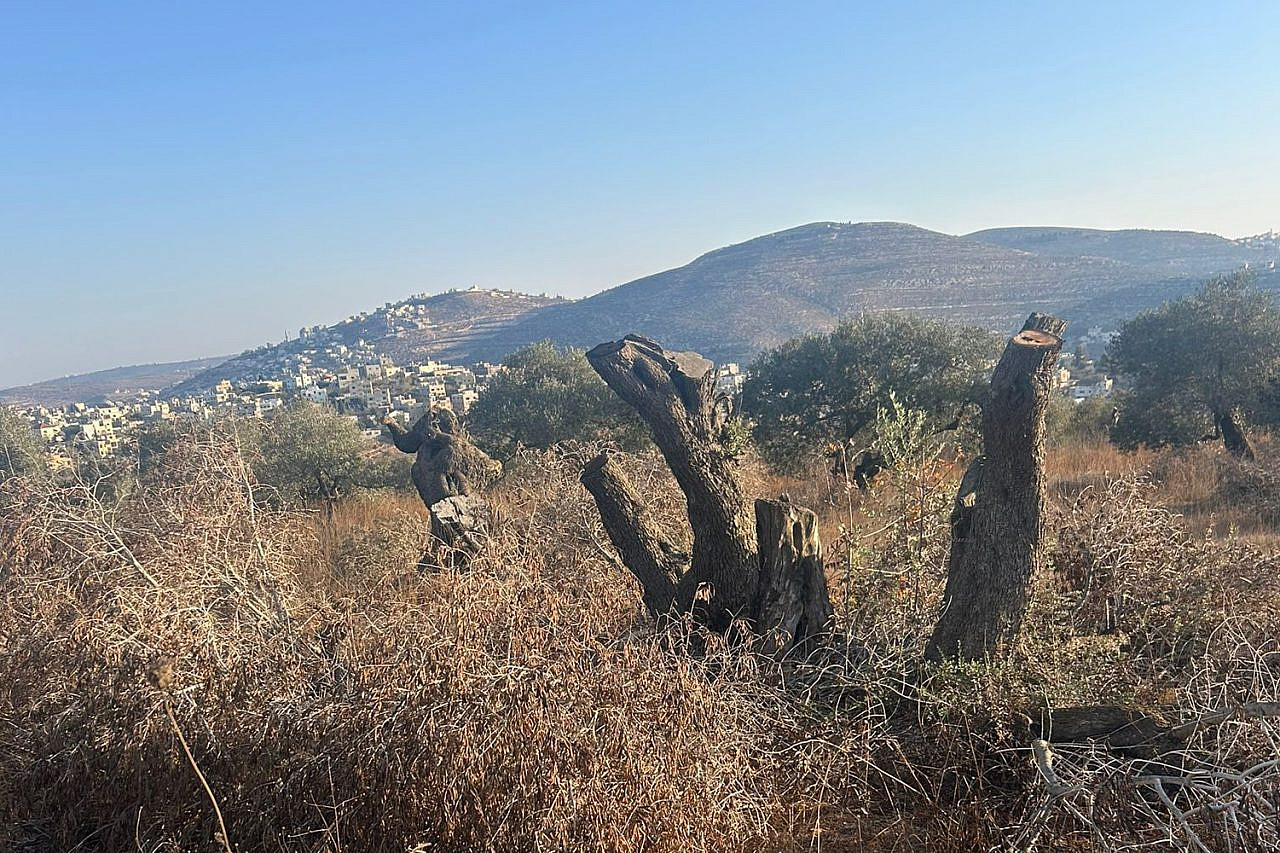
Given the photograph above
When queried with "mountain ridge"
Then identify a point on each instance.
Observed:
(99, 385)
(804, 279)
(735, 300)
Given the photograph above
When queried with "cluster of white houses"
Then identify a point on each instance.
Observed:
(365, 392)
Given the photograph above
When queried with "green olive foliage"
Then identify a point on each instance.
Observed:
(547, 395)
(1194, 361)
(817, 392)
(22, 453)
(299, 445)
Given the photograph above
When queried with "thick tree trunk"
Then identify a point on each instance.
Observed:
(653, 560)
(1233, 435)
(793, 609)
(997, 520)
(448, 472)
(460, 524)
(780, 587)
(446, 462)
(674, 393)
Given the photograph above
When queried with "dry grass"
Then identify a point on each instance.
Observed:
(1206, 487)
(336, 698)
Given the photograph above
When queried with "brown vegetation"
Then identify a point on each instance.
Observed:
(334, 698)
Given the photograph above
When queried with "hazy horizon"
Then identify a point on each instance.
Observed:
(181, 183)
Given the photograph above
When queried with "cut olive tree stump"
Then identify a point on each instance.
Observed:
(792, 602)
(777, 584)
(449, 472)
(460, 524)
(997, 520)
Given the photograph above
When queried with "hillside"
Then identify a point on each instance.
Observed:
(732, 302)
(116, 383)
(1183, 253)
(446, 326)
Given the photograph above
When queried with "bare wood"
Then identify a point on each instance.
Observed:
(645, 551)
(1043, 753)
(460, 523)
(793, 608)
(997, 520)
(674, 393)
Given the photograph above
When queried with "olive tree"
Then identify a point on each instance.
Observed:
(819, 392)
(1199, 366)
(22, 452)
(547, 395)
(305, 451)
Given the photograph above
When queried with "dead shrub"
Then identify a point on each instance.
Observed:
(335, 697)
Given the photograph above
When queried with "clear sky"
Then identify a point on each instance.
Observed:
(182, 179)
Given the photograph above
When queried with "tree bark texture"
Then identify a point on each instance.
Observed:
(674, 393)
(646, 552)
(997, 520)
(793, 608)
(446, 462)
(460, 524)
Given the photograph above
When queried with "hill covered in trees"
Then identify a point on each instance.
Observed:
(1182, 253)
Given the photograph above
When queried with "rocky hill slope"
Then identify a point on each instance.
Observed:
(732, 302)
(118, 383)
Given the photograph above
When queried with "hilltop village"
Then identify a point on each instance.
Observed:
(355, 381)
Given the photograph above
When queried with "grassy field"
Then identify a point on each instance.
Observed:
(181, 669)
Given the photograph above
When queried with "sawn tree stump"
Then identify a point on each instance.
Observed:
(997, 520)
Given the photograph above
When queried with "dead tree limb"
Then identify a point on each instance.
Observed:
(674, 393)
(997, 519)
(645, 551)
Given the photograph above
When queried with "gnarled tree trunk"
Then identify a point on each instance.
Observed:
(1233, 436)
(448, 472)
(997, 519)
(763, 565)
(674, 393)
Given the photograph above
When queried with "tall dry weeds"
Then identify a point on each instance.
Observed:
(334, 697)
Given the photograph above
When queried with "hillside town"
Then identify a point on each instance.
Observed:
(354, 381)
(363, 385)
(359, 384)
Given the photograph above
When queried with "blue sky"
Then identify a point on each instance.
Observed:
(188, 179)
